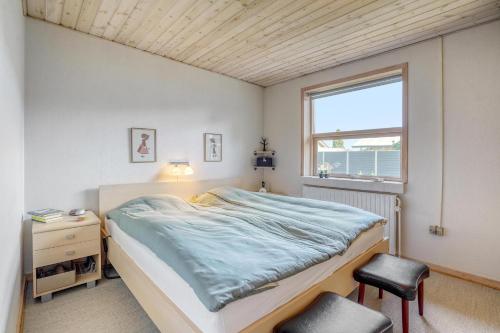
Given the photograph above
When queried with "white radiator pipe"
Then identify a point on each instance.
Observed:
(398, 226)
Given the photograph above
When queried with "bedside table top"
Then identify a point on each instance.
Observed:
(68, 222)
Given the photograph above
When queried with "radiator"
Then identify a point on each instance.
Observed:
(383, 204)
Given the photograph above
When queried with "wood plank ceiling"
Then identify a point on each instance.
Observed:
(265, 41)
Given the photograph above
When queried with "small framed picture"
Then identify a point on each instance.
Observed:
(213, 147)
(142, 145)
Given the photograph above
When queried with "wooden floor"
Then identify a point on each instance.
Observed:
(451, 305)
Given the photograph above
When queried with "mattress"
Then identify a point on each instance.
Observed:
(241, 313)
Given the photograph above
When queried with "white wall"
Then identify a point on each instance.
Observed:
(84, 93)
(472, 154)
(11, 159)
(472, 164)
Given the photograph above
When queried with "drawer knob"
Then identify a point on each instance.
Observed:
(70, 253)
(70, 236)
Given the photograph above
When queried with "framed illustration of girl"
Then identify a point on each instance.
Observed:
(142, 145)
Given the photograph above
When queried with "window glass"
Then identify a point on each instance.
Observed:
(366, 106)
(369, 156)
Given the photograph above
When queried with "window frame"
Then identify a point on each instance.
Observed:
(309, 139)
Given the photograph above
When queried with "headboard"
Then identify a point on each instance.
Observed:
(111, 196)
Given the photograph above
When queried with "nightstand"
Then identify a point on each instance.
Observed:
(74, 242)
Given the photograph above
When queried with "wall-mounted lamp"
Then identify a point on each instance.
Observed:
(180, 169)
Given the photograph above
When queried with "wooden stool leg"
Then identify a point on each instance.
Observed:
(380, 293)
(361, 293)
(404, 308)
(421, 298)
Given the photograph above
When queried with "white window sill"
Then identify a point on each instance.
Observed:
(355, 184)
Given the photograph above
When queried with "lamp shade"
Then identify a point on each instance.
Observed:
(188, 170)
(180, 169)
(175, 171)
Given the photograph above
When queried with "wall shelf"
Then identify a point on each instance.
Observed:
(262, 155)
(264, 167)
(264, 152)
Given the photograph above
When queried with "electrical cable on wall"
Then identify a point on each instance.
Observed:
(442, 133)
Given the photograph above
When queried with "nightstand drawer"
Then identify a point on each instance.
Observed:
(67, 252)
(45, 240)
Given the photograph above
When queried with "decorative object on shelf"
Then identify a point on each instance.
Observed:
(213, 147)
(264, 161)
(264, 143)
(142, 145)
(263, 188)
(264, 158)
(323, 174)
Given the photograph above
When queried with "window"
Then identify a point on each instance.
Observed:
(356, 127)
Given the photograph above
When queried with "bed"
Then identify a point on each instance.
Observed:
(173, 305)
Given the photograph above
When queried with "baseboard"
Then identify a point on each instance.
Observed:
(462, 275)
(22, 295)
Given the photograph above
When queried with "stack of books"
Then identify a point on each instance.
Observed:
(46, 215)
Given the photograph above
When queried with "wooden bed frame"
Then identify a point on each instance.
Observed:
(162, 311)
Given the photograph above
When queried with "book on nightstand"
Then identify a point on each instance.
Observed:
(46, 215)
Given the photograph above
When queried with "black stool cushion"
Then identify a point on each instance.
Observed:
(396, 275)
(331, 313)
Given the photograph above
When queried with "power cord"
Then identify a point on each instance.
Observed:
(108, 270)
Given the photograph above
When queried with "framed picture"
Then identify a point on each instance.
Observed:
(142, 145)
(213, 147)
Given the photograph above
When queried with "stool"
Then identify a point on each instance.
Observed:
(401, 277)
(331, 313)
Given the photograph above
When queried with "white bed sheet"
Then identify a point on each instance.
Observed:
(241, 313)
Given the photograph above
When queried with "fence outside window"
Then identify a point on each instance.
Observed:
(374, 163)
